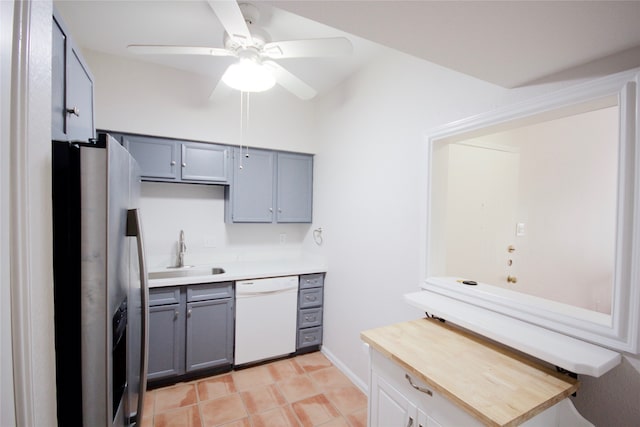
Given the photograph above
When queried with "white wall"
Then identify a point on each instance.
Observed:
(133, 96)
(370, 170)
(369, 198)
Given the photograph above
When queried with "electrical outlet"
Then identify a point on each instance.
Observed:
(210, 242)
(283, 238)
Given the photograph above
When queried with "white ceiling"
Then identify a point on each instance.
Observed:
(509, 43)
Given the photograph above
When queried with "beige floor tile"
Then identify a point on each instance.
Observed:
(313, 361)
(262, 398)
(278, 417)
(297, 388)
(315, 410)
(330, 377)
(239, 423)
(284, 369)
(246, 379)
(182, 417)
(336, 422)
(218, 386)
(174, 397)
(346, 399)
(223, 410)
(259, 396)
(358, 418)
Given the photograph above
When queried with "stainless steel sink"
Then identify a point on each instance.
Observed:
(186, 272)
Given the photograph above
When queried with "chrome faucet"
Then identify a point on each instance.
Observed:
(182, 248)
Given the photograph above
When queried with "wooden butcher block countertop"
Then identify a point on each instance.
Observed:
(494, 384)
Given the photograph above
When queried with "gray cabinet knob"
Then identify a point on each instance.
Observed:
(189, 313)
(176, 314)
(173, 162)
(184, 165)
(75, 111)
(270, 209)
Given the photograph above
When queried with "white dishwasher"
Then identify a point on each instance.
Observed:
(266, 316)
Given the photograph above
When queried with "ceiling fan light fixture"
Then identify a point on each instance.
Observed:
(248, 75)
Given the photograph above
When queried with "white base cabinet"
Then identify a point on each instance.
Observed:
(394, 401)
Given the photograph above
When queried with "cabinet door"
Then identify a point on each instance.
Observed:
(204, 162)
(295, 187)
(166, 341)
(157, 157)
(79, 114)
(72, 88)
(252, 192)
(209, 334)
(58, 60)
(388, 407)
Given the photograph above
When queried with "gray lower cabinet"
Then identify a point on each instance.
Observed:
(270, 186)
(190, 329)
(171, 160)
(310, 305)
(71, 88)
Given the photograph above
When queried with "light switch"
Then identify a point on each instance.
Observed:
(520, 229)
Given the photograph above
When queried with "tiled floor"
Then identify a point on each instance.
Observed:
(303, 391)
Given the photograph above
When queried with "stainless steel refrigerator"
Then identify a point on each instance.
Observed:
(100, 285)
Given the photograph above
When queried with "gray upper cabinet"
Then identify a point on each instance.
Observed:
(157, 157)
(295, 187)
(252, 188)
(270, 187)
(72, 88)
(204, 162)
(170, 160)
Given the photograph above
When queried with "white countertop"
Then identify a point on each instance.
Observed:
(243, 270)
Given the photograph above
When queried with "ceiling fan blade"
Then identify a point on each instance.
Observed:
(334, 46)
(177, 50)
(290, 82)
(230, 16)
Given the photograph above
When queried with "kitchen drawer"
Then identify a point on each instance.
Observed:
(209, 291)
(163, 296)
(310, 298)
(310, 336)
(311, 280)
(310, 317)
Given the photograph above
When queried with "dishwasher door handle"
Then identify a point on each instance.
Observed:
(245, 294)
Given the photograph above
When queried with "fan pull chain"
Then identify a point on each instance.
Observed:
(241, 127)
(246, 147)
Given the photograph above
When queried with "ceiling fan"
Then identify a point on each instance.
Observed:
(254, 49)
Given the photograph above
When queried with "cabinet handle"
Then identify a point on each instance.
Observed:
(410, 422)
(310, 298)
(75, 111)
(189, 313)
(307, 339)
(176, 314)
(270, 209)
(173, 163)
(184, 165)
(422, 389)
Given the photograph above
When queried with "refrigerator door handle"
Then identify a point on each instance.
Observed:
(134, 229)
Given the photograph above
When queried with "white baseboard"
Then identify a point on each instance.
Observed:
(363, 386)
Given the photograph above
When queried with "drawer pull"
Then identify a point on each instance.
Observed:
(307, 339)
(309, 318)
(422, 389)
(410, 422)
(310, 298)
